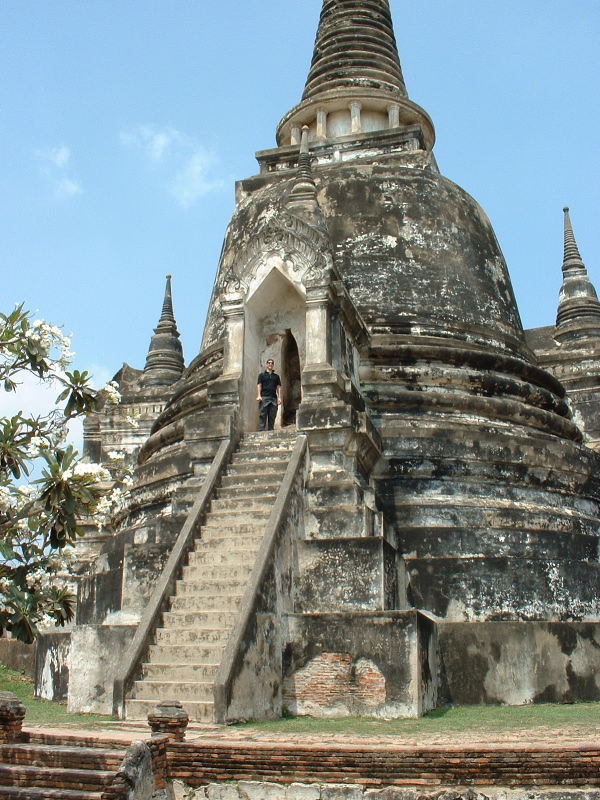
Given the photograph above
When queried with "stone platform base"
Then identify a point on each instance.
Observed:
(517, 663)
(254, 790)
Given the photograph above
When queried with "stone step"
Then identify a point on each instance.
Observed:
(236, 525)
(223, 541)
(87, 780)
(246, 490)
(232, 558)
(198, 710)
(281, 434)
(185, 654)
(48, 755)
(207, 620)
(200, 636)
(196, 573)
(45, 793)
(244, 503)
(272, 466)
(271, 442)
(227, 587)
(181, 672)
(173, 690)
(257, 480)
(187, 603)
(237, 516)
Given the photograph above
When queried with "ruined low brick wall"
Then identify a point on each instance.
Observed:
(379, 766)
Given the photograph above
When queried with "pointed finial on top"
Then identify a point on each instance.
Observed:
(572, 259)
(167, 309)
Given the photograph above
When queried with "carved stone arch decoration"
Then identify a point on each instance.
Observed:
(303, 249)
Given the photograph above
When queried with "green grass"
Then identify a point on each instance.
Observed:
(581, 719)
(43, 712)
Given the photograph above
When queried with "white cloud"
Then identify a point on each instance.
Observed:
(55, 167)
(154, 143)
(67, 186)
(184, 164)
(191, 182)
(59, 156)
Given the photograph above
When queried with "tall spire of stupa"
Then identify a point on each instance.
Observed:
(355, 46)
(578, 314)
(164, 363)
(355, 82)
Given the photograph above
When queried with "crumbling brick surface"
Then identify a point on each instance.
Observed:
(383, 765)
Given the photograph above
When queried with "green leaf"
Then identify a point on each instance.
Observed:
(7, 552)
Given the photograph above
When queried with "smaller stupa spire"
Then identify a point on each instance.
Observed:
(304, 187)
(578, 314)
(164, 363)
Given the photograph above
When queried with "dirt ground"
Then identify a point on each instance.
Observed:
(574, 736)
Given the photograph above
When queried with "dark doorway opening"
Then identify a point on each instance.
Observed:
(292, 385)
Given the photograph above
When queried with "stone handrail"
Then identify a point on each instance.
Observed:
(226, 672)
(165, 585)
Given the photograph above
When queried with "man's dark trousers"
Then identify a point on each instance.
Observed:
(267, 413)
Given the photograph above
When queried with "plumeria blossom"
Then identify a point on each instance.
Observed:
(110, 392)
(41, 520)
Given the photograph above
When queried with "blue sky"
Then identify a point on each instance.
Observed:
(124, 124)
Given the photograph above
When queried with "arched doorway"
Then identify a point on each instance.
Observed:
(274, 327)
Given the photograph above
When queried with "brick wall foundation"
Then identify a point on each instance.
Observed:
(379, 766)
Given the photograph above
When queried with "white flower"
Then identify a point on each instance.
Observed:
(111, 392)
(35, 445)
(130, 420)
(116, 455)
(87, 470)
(6, 498)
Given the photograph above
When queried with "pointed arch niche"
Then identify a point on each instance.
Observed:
(275, 325)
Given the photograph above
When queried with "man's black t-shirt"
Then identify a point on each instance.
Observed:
(269, 382)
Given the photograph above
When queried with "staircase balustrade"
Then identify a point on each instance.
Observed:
(235, 656)
(165, 585)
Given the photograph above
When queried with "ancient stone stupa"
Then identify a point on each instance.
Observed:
(423, 527)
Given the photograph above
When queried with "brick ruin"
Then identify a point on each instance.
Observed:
(423, 526)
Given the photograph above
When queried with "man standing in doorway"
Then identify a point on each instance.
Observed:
(268, 394)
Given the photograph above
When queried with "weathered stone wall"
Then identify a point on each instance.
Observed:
(95, 656)
(514, 663)
(52, 666)
(127, 568)
(346, 575)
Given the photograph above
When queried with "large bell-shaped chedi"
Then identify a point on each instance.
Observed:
(445, 472)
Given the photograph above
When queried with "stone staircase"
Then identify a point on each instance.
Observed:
(189, 645)
(59, 770)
